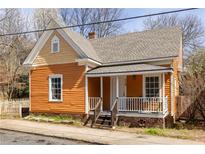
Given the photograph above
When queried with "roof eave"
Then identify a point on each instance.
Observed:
(140, 61)
(88, 62)
(169, 70)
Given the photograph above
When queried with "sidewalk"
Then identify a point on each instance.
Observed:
(87, 134)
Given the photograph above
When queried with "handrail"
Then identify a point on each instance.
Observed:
(114, 111)
(113, 105)
(97, 111)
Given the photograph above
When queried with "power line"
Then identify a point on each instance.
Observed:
(100, 22)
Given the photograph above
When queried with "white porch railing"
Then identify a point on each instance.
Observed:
(143, 104)
(137, 104)
(93, 101)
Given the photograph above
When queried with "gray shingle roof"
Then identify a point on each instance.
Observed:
(126, 68)
(84, 44)
(148, 44)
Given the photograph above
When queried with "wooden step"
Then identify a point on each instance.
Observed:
(103, 120)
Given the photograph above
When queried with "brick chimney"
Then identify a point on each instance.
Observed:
(91, 35)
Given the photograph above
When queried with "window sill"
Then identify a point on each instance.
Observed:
(55, 101)
(55, 52)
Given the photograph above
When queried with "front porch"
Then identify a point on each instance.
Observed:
(139, 90)
(133, 94)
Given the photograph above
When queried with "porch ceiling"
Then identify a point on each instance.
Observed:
(127, 69)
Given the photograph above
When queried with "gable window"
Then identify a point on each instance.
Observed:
(55, 87)
(55, 44)
(152, 86)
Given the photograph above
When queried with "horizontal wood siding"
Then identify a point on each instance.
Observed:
(134, 86)
(65, 55)
(73, 89)
(176, 80)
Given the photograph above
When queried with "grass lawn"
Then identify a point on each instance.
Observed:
(193, 134)
(55, 119)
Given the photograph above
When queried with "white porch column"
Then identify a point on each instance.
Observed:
(86, 94)
(172, 95)
(163, 85)
(117, 86)
(101, 87)
(86, 91)
(163, 90)
(101, 91)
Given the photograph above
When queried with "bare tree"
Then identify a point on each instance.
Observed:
(191, 26)
(192, 84)
(42, 17)
(195, 63)
(90, 15)
(13, 49)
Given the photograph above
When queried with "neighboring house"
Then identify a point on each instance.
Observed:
(136, 73)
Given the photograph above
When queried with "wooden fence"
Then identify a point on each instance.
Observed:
(13, 107)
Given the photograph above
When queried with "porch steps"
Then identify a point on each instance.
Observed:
(103, 121)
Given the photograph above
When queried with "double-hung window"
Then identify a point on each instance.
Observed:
(152, 86)
(55, 87)
(55, 44)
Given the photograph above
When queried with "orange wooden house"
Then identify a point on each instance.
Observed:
(135, 74)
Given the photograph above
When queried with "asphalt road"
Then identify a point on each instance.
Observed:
(18, 138)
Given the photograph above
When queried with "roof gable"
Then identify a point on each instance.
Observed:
(65, 53)
(82, 46)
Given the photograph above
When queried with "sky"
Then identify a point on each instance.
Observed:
(137, 24)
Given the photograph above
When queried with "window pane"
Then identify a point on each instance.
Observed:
(56, 88)
(151, 79)
(55, 46)
(156, 85)
(147, 79)
(152, 86)
(157, 92)
(156, 79)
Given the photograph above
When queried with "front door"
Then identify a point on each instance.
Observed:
(122, 88)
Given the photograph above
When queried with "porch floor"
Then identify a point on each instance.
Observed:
(133, 114)
(103, 113)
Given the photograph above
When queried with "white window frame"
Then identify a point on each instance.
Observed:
(50, 91)
(144, 83)
(54, 39)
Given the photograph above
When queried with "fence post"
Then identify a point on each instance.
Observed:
(1, 104)
(20, 109)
